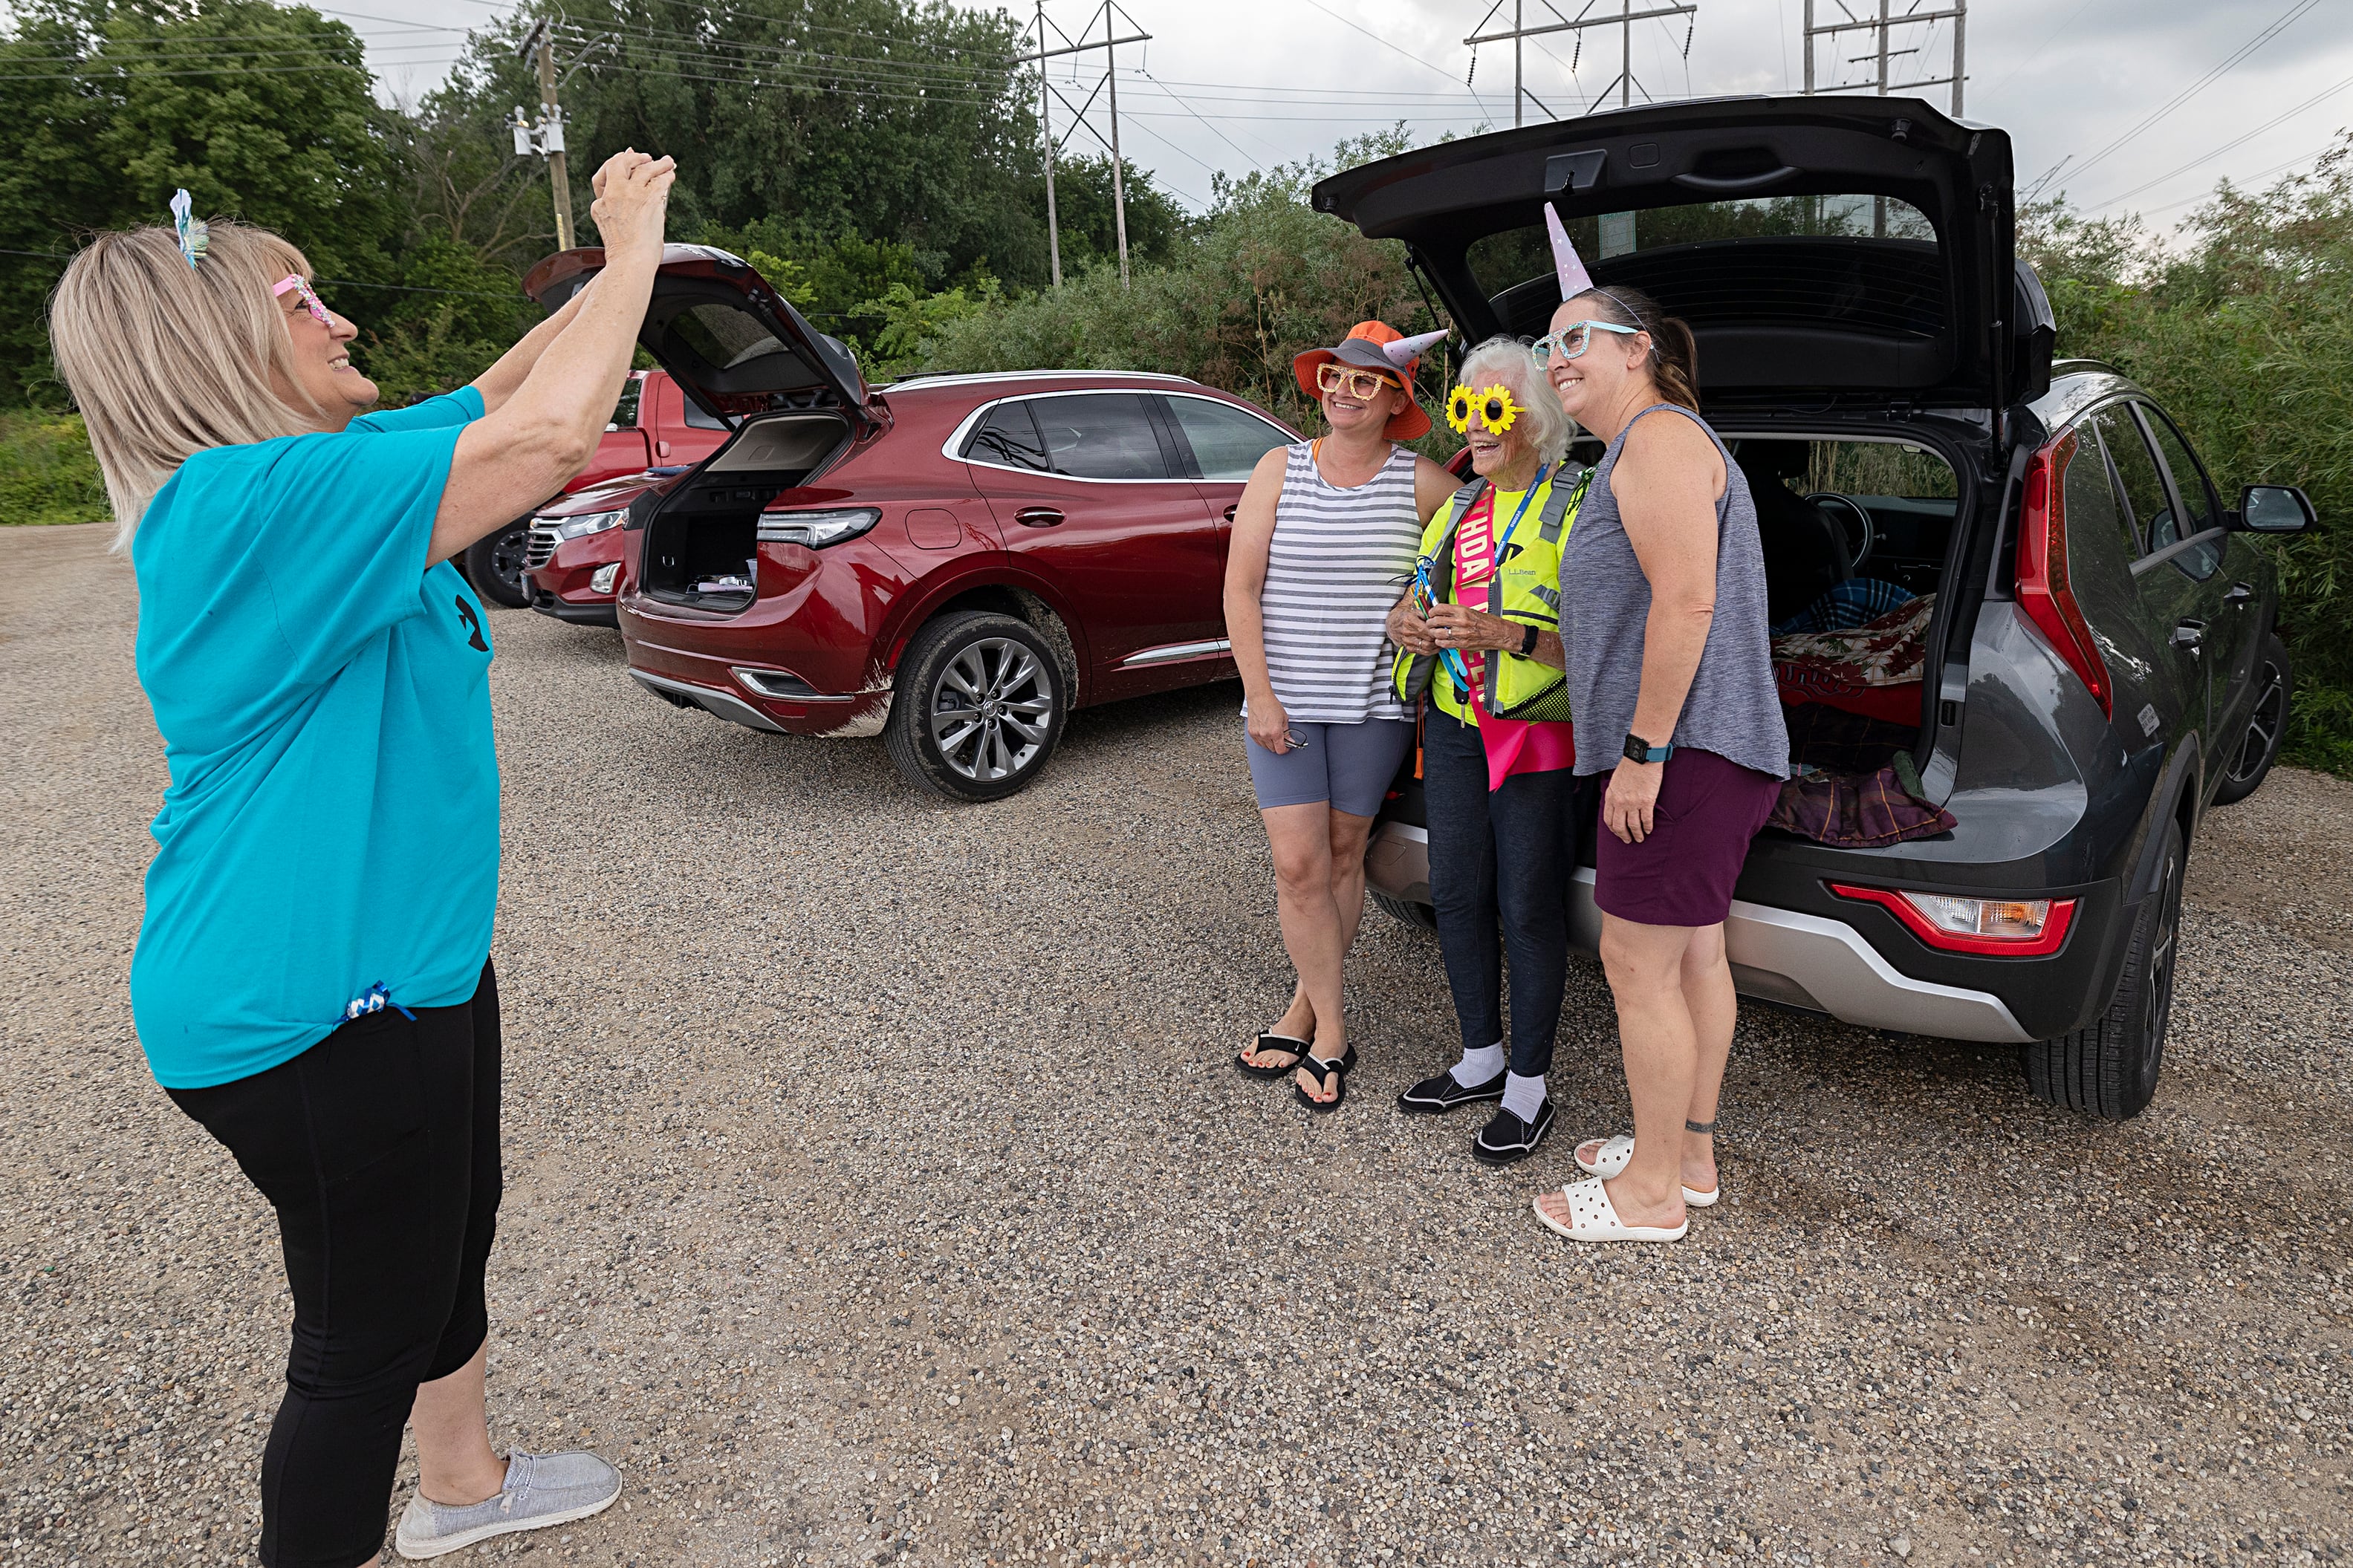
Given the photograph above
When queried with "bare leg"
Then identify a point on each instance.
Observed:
(1300, 837)
(1657, 1033)
(454, 1460)
(1348, 833)
(1714, 1005)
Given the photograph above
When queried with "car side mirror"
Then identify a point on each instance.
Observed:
(2276, 508)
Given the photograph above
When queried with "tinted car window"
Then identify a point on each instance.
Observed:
(2190, 480)
(1099, 435)
(625, 412)
(1008, 436)
(2144, 485)
(2091, 492)
(1226, 442)
(700, 420)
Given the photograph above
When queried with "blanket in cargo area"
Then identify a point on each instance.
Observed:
(1873, 669)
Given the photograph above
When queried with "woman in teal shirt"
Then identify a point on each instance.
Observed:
(312, 979)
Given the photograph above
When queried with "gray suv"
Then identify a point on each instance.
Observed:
(2095, 659)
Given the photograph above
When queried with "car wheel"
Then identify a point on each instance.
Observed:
(978, 706)
(2110, 1068)
(2259, 745)
(1420, 916)
(494, 564)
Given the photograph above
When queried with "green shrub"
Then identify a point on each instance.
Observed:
(47, 472)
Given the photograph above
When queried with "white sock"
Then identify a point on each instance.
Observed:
(1478, 1067)
(1524, 1097)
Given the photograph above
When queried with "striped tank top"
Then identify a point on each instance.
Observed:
(1338, 561)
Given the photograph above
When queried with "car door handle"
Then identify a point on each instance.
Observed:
(1229, 513)
(1037, 517)
(2241, 593)
(2190, 635)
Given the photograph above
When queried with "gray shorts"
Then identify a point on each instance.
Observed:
(1350, 765)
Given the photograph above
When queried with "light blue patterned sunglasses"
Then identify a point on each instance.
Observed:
(1573, 339)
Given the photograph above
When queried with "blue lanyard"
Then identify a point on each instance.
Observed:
(1527, 497)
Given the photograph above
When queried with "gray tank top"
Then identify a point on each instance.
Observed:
(1734, 709)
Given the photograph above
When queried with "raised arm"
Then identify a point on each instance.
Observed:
(546, 430)
(1245, 555)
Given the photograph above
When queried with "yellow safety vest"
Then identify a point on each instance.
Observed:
(1525, 587)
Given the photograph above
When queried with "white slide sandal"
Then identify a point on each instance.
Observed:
(1592, 1217)
(1613, 1157)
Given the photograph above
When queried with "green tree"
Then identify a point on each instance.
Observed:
(262, 112)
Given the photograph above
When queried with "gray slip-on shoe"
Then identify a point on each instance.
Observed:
(541, 1489)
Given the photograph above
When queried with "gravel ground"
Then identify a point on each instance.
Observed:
(879, 1192)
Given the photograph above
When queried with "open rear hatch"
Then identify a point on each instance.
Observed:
(794, 398)
(1822, 248)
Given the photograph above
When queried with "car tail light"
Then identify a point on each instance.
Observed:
(815, 529)
(2043, 589)
(2009, 928)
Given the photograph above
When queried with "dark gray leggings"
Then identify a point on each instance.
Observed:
(1500, 859)
(379, 1149)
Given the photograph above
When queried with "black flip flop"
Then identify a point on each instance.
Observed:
(1298, 1049)
(1337, 1071)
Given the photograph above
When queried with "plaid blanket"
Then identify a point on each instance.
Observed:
(1850, 604)
(1857, 811)
(1891, 650)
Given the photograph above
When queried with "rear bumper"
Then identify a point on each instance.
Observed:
(1790, 958)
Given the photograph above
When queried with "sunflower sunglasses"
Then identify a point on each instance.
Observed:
(1493, 406)
(1573, 339)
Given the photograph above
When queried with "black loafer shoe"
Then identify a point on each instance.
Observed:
(1507, 1140)
(1437, 1096)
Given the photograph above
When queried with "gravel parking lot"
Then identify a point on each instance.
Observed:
(878, 1192)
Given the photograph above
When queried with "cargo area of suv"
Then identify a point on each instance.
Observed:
(703, 538)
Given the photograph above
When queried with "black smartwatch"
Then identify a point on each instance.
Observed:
(1528, 642)
(1638, 750)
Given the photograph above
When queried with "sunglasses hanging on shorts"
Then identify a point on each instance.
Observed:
(310, 301)
(1353, 383)
(1573, 339)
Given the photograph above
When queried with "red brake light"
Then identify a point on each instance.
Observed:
(2043, 591)
(2004, 928)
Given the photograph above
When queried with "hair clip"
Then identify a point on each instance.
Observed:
(195, 235)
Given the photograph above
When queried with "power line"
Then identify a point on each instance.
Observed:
(2294, 12)
(1386, 44)
(2231, 145)
(2260, 174)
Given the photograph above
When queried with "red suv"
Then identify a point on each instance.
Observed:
(953, 563)
(653, 425)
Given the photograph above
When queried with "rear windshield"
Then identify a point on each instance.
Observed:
(1751, 261)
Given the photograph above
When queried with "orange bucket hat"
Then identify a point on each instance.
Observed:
(1376, 345)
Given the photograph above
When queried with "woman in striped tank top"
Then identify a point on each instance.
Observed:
(1323, 545)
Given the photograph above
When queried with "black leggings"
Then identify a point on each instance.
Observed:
(379, 1148)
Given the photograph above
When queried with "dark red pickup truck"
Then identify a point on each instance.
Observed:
(653, 425)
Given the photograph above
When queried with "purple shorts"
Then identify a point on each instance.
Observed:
(1682, 874)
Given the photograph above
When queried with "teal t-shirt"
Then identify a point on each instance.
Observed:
(332, 821)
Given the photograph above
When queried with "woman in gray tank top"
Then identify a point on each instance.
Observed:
(1670, 679)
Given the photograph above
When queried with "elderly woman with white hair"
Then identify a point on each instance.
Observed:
(1479, 635)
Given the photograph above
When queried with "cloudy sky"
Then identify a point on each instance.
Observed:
(2140, 105)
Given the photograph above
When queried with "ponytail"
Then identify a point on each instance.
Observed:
(1673, 363)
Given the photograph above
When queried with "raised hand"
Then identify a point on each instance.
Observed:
(632, 203)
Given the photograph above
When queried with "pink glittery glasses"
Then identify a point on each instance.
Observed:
(310, 301)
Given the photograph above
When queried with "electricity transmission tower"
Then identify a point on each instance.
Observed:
(1625, 19)
(1108, 12)
(1881, 52)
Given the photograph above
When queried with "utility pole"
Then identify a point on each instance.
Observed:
(1626, 18)
(1107, 14)
(1046, 131)
(546, 138)
(1881, 22)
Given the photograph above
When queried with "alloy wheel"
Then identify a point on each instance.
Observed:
(2164, 941)
(991, 709)
(2264, 725)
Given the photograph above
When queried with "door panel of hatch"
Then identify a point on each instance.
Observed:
(2172, 600)
(1087, 491)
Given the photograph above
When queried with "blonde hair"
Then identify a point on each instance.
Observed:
(1542, 423)
(164, 360)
